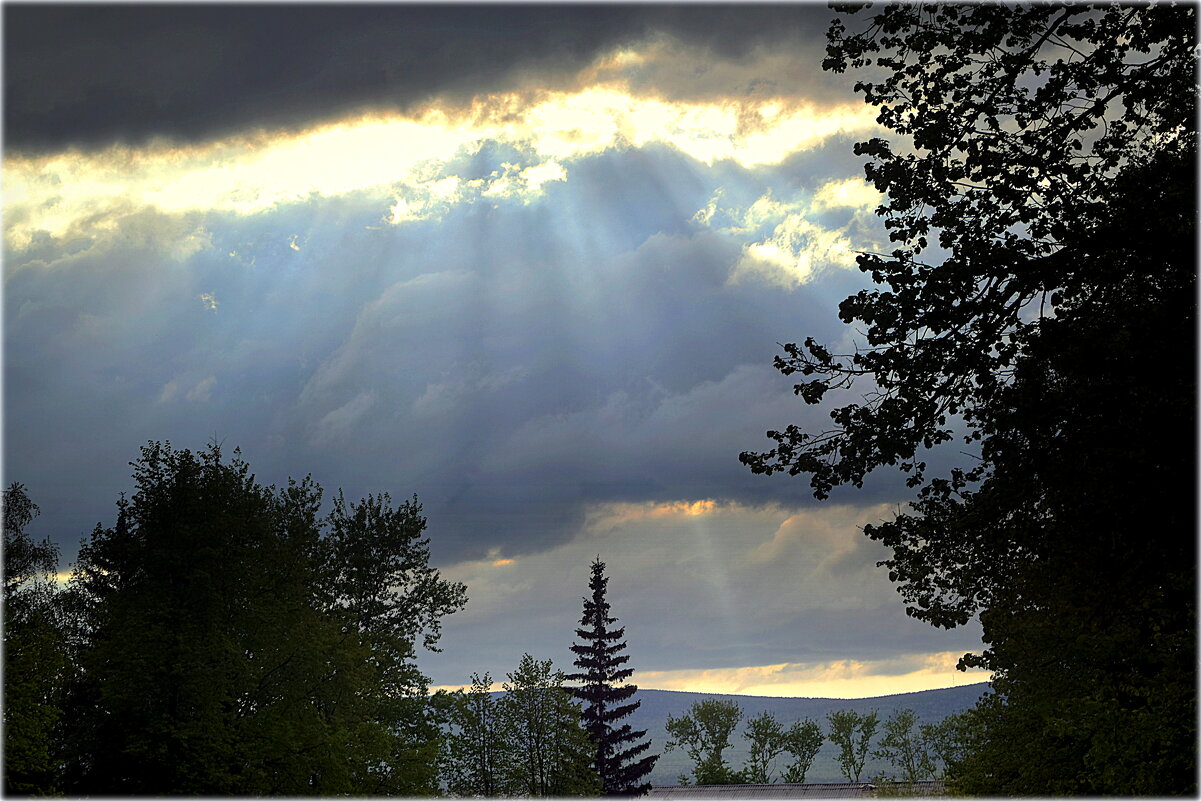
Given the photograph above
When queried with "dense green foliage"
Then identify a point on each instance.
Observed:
(224, 638)
(552, 752)
(602, 675)
(1053, 157)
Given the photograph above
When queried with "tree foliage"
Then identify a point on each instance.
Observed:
(904, 744)
(37, 659)
(954, 739)
(233, 641)
(477, 749)
(25, 561)
(852, 733)
(767, 740)
(704, 734)
(802, 742)
(551, 750)
(601, 673)
(528, 742)
(1049, 152)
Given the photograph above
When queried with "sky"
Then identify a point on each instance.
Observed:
(530, 263)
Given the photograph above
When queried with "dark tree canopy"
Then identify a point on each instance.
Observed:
(232, 641)
(24, 559)
(1050, 152)
(619, 759)
(1020, 119)
(36, 654)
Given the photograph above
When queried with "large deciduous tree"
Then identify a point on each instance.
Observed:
(852, 733)
(704, 735)
(231, 648)
(551, 752)
(382, 588)
(602, 675)
(1050, 153)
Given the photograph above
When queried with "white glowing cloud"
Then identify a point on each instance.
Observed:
(340, 420)
(203, 390)
(795, 251)
(850, 193)
(786, 246)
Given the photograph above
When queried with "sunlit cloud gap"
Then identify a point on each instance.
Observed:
(407, 159)
(836, 679)
(845, 678)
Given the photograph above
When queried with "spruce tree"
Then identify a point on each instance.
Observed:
(602, 675)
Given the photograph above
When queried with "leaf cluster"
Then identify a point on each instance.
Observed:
(852, 733)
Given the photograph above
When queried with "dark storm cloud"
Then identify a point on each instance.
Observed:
(89, 75)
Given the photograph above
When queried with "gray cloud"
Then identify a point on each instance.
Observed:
(510, 363)
(732, 587)
(88, 75)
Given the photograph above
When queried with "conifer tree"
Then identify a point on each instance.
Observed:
(602, 674)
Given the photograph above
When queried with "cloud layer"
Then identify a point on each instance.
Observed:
(770, 599)
(549, 310)
(88, 77)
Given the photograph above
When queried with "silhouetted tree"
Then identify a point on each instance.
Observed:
(1053, 161)
(603, 690)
